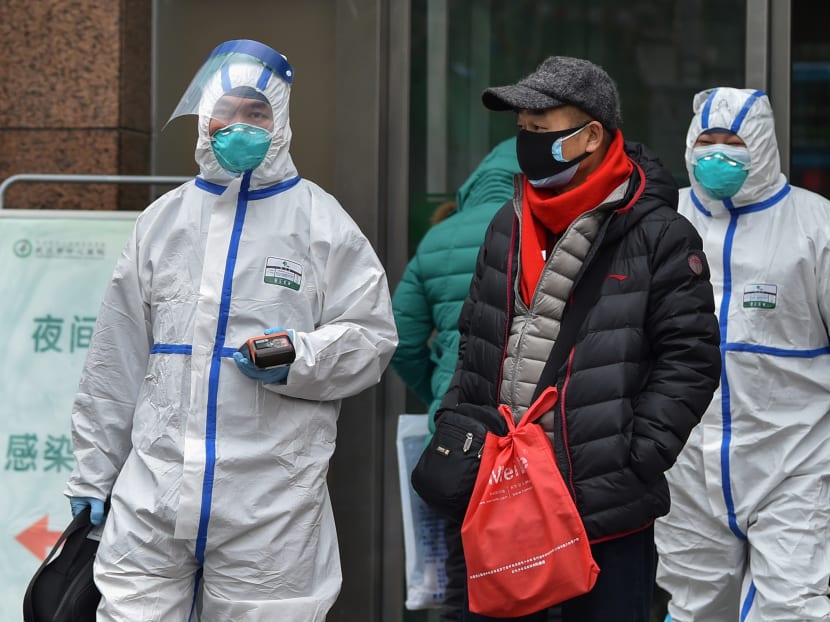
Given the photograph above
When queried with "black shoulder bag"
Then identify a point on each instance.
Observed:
(62, 589)
(446, 472)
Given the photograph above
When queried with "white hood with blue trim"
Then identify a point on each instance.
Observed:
(747, 113)
(277, 165)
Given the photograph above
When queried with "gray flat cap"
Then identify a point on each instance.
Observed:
(558, 81)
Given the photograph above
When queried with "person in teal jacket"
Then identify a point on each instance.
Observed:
(428, 300)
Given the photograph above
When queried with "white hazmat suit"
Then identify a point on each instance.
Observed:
(219, 502)
(747, 535)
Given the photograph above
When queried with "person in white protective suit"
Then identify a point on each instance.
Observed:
(747, 535)
(215, 470)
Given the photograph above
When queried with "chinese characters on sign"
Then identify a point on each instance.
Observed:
(56, 451)
(69, 249)
(22, 453)
(48, 331)
(55, 454)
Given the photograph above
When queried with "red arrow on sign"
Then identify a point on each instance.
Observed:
(38, 539)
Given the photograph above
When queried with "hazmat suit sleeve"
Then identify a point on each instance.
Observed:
(823, 277)
(355, 337)
(685, 338)
(413, 318)
(102, 414)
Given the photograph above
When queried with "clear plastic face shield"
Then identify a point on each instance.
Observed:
(240, 95)
(232, 80)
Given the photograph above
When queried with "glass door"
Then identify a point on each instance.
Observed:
(660, 52)
(810, 100)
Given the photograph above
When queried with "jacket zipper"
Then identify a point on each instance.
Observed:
(509, 309)
(562, 411)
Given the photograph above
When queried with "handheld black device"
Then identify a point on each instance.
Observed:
(269, 350)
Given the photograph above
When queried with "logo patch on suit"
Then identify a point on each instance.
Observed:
(760, 296)
(284, 272)
(695, 264)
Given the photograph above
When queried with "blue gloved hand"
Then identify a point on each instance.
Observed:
(96, 508)
(277, 329)
(274, 375)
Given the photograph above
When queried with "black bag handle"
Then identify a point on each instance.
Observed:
(79, 522)
(585, 295)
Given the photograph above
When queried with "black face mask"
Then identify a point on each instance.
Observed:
(537, 151)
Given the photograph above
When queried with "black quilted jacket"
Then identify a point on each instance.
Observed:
(644, 366)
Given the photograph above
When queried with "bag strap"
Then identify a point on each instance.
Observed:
(79, 522)
(584, 296)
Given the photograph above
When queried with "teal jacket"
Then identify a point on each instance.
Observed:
(428, 300)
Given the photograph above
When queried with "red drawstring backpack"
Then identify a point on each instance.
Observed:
(524, 541)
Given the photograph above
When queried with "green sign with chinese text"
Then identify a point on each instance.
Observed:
(54, 269)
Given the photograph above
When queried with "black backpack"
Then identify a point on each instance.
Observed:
(62, 589)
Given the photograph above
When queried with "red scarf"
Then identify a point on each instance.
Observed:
(543, 211)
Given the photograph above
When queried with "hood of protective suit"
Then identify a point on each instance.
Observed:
(747, 113)
(277, 165)
(492, 179)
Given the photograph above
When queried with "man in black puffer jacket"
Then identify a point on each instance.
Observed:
(646, 360)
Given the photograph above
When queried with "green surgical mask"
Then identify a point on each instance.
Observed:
(240, 147)
(721, 169)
